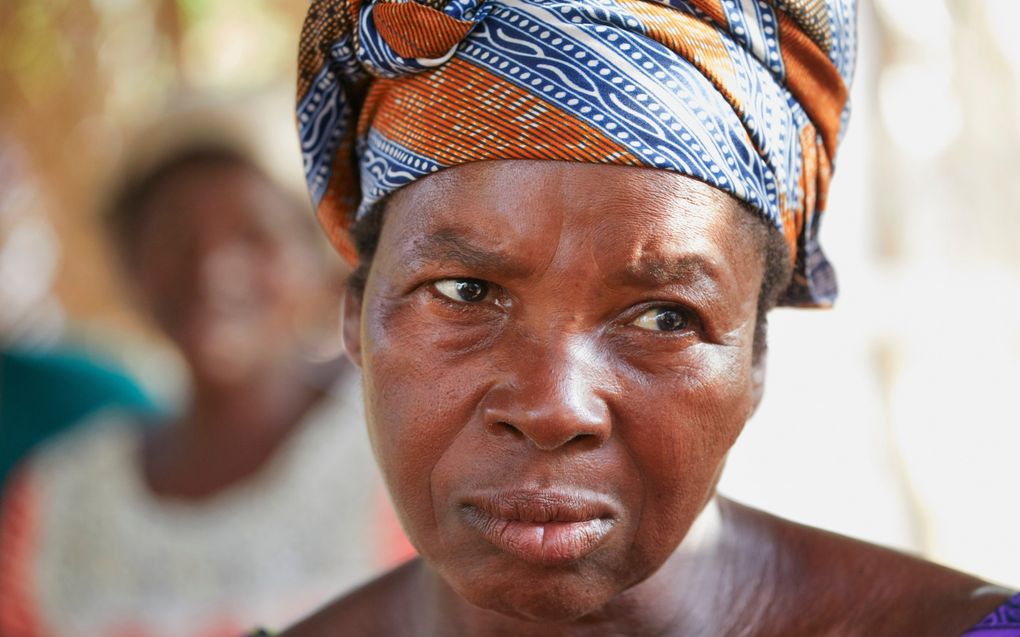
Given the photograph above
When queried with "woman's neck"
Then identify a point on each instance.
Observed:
(227, 435)
(255, 408)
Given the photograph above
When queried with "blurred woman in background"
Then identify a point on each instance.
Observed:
(189, 528)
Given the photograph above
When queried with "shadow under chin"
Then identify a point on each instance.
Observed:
(548, 599)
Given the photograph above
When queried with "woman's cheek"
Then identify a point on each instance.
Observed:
(694, 402)
(685, 427)
(418, 402)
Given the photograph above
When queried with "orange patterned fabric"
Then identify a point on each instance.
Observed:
(418, 31)
(487, 120)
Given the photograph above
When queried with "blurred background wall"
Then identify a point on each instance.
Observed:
(79, 79)
(893, 417)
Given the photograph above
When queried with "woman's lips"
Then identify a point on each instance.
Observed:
(540, 526)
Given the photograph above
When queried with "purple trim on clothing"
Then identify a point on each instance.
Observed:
(1004, 621)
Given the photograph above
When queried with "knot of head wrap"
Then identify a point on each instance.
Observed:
(749, 96)
(408, 37)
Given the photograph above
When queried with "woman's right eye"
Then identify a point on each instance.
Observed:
(464, 290)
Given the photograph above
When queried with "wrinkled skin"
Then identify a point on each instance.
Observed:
(550, 383)
(507, 341)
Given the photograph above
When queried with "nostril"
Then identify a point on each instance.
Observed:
(504, 427)
(584, 438)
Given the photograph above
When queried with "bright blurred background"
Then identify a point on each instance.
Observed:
(892, 418)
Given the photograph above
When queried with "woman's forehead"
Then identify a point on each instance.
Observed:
(507, 205)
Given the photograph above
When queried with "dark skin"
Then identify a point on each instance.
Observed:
(222, 262)
(584, 353)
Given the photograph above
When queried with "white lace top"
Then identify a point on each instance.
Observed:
(108, 558)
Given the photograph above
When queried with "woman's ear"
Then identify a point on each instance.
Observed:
(350, 325)
(757, 382)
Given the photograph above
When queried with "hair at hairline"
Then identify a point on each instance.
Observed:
(125, 212)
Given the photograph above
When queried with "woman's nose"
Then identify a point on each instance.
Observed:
(223, 268)
(552, 400)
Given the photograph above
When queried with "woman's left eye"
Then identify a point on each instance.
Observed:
(463, 290)
(662, 319)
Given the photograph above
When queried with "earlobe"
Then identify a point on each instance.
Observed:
(757, 383)
(350, 325)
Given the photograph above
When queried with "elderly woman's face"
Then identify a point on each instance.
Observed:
(557, 358)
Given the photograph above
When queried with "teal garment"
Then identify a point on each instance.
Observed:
(44, 393)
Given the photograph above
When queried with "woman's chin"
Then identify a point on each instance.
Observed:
(222, 363)
(221, 371)
(536, 605)
(544, 598)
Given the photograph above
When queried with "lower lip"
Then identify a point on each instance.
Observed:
(541, 543)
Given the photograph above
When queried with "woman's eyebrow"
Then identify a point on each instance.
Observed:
(689, 269)
(445, 246)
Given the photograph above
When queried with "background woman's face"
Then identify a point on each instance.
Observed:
(224, 264)
(557, 358)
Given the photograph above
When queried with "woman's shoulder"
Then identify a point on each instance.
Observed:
(383, 606)
(861, 588)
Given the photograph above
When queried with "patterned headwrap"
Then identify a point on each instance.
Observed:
(749, 96)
